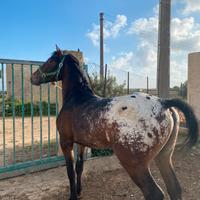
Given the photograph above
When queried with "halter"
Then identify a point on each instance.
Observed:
(57, 72)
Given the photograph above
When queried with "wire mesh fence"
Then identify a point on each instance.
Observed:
(129, 80)
(134, 82)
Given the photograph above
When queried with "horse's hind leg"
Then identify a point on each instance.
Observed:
(164, 162)
(140, 173)
(79, 167)
(142, 177)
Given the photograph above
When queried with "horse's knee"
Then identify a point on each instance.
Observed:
(79, 170)
(79, 166)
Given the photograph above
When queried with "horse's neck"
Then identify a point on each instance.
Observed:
(72, 91)
(65, 90)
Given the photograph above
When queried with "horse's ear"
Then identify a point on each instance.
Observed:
(58, 50)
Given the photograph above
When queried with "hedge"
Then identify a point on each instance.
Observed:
(27, 109)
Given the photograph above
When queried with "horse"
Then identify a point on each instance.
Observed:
(138, 127)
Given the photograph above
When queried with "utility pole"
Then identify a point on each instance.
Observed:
(163, 63)
(101, 47)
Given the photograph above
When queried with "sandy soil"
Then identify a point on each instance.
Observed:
(103, 179)
(27, 137)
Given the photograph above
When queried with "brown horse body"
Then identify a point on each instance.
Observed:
(138, 123)
(137, 127)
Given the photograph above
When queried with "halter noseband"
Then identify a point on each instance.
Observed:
(57, 72)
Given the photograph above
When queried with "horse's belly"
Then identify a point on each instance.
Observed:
(94, 134)
(144, 136)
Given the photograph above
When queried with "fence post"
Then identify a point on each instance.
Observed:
(60, 102)
(147, 85)
(3, 116)
(105, 81)
(181, 89)
(128, 83)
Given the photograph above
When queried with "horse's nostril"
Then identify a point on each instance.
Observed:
(33, 80)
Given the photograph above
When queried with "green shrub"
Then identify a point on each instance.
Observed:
(101, 152)
(27, 108)
(112, 87)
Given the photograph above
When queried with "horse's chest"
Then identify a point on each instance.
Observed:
(63, 124)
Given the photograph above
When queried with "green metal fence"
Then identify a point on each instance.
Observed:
(28, 135)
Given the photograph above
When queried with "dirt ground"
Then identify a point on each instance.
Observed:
(46, 134)
(103, 179)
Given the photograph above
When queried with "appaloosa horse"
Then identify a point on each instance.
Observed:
(138, 127)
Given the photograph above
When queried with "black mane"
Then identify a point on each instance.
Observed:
(78, 77)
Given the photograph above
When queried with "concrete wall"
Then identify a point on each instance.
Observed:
(194, 82)
(27, 84)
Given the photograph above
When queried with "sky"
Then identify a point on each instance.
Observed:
(31, 28)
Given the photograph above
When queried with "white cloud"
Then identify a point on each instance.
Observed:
(191, 6)
(120, 22)
(144, 28)
(127, 62)
(124, 61)
(185, 38)
(94, 35)
(185, 34)
(111, 29)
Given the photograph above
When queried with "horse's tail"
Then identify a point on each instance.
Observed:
(191, 120)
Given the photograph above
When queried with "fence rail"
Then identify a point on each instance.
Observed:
(23, 62)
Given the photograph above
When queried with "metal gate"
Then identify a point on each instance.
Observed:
(28, 135)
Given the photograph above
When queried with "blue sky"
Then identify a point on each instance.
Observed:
(31, 28)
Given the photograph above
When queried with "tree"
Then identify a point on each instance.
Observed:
(183, 89)
(176, 88)
(112, 87)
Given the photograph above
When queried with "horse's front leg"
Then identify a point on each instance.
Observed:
(67, 149)
(79, 168)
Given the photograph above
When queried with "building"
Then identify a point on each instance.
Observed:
(193, 94)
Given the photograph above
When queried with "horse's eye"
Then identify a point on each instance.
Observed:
(49, 61)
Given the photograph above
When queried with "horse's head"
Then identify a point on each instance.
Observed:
(50, 71)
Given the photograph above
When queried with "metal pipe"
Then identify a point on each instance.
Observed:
(13, 112)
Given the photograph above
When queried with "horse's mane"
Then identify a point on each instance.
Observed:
(78, 71)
